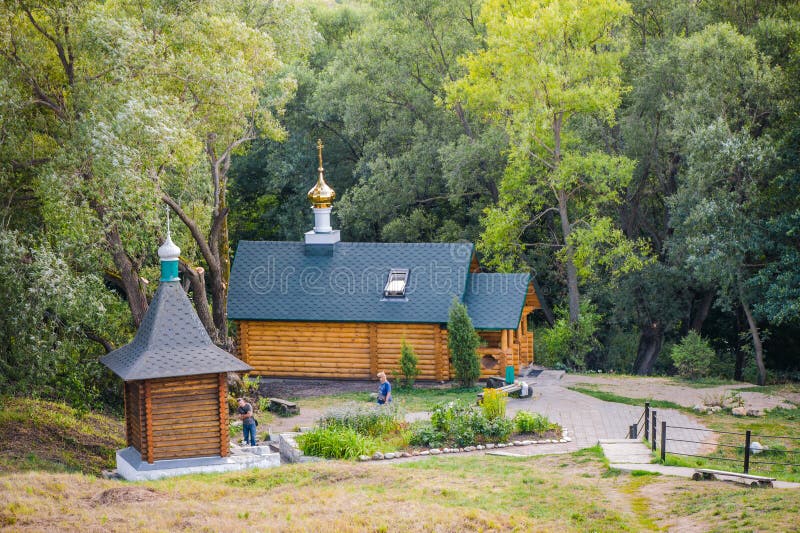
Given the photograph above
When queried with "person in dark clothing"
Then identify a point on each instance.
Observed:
(245, 412)
(384, 390)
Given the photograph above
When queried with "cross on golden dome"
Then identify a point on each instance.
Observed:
(321, 195)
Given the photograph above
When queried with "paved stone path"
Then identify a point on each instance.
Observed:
(589, 419)
(586, 418)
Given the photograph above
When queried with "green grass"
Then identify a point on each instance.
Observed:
(409, 400)
(571, 502)
(704, 383)
(644, 473)
(738, 509)
(611, 397)
(793, 388)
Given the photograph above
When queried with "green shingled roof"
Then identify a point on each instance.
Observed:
(344, 282)
(171, 342)
(495, 301)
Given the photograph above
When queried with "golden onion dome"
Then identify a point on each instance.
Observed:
(321, 194)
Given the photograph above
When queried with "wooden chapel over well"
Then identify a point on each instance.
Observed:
(176, 384)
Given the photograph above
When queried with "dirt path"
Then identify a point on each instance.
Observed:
(667, 389)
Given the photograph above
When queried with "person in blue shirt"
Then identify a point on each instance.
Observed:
(384, 390)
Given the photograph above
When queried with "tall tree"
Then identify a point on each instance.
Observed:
(422, 171)
(79, 81)
(723, 109)
(125, 102)
(548, 67)
(235, 98)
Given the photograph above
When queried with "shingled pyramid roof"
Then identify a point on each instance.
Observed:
(171, 342)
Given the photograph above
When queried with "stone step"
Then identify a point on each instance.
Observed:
(625, 451)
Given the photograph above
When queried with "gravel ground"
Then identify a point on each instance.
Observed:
(666, 389)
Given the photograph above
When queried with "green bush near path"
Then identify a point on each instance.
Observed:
(336, 442)
(371, 420)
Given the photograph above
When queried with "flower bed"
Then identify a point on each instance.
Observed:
(379, 432)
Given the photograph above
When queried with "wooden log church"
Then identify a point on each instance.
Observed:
(323, 308)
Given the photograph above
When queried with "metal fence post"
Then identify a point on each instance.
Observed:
(747, 452)
(646, 421)
(663, 441)
(653, 430)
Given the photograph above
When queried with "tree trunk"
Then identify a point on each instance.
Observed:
(650, 341)
(738, 368)
(129, 277)
(196, 277)
(759, 349)
(218, 276)
(566, 229)
(224, 249)
(210, 250)
(107, 345)
(572, 272)
(702, 311)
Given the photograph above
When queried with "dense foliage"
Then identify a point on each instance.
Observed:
(372, 420)
(336, 443)
(641, 158)
(535, 424)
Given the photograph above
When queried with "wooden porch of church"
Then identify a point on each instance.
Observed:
(507, 347)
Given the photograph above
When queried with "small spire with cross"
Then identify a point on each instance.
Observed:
(321, 195)
(320, 146)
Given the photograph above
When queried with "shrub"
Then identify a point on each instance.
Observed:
(692, 356)
(566, 343)
(371, 420)
(250, 385)
(621, 349)
(458, 424)
(408, 364)
(537, 424)
(336, 443)
(494, 403)
(426, 435)
(463, 343)
(263, 404)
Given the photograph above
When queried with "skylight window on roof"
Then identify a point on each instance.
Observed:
(396, 284)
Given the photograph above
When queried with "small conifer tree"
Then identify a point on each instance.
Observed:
(463, 343)
(408, 364)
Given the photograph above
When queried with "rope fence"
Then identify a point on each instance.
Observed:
(651, 434)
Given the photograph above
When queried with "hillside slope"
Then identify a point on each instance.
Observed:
(50, 436)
